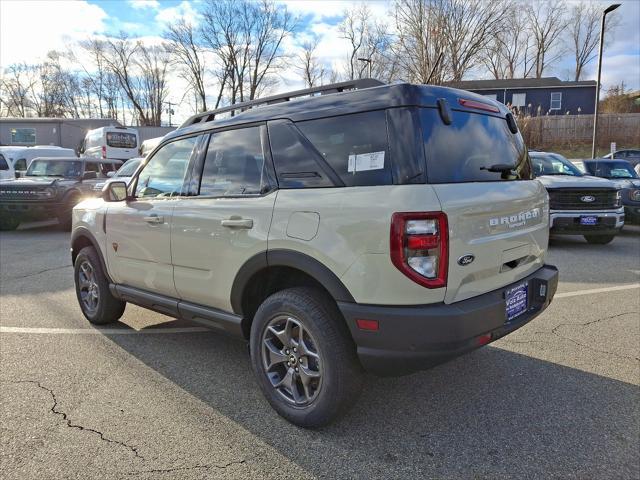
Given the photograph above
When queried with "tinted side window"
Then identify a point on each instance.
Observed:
(234, 164)
(297, 165)
(466, 149)
(164, 173)
(355, 146)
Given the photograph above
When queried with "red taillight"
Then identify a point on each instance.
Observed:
(478, 105)
(419, 247)
(104, 151)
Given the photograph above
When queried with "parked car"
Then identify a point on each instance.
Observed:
(148, 145)
(6, 169)
(630, 155)
(51, 187)
(626, 179)
(21, 157)
(387, 228)
(123, 174)
(113, 143)
(579, 204)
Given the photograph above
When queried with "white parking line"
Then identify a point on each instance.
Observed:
(101, 331)
(597, 290)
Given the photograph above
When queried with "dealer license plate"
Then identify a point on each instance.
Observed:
(516, 301)
(590, 220)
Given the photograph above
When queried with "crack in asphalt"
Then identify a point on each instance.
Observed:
(54, 409)
(21, 277)
(194, 467)
(554, 332)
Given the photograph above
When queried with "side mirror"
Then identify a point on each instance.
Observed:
(114, 192)
(18, 173)
(89, 175)
(111, 173)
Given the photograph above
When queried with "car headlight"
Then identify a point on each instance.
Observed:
(619, 198)
(635, 195)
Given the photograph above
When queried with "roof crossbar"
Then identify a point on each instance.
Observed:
(210, 115)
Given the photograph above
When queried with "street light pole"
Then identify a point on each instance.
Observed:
(610, 8)
(367, 60)
(170, 111)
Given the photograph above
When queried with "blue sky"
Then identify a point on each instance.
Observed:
(60, 23)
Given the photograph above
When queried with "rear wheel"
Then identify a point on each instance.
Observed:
(9, 222)
(599, 239)
(92, 289)
(304, 358)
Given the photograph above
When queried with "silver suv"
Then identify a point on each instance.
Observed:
(385, 228)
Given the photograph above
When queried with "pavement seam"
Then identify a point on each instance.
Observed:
(54, 409)
(21, 277)
(194, 467)
(554, 332)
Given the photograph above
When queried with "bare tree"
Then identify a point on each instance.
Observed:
(584, 28)
(153, 65)
(510, 47)
(548, 21)
(16, 87)
(311, 69)
(185, 48)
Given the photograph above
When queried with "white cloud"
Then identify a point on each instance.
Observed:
(28, 30)
(182, 10)
(141, 4)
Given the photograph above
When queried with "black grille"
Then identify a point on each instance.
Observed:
(578, 199)
(14, 192)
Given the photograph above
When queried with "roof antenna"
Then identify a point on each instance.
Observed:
(433, 69)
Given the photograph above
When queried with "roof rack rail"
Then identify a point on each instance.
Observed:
(357, 84)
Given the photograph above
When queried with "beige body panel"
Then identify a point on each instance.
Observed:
(470, 209)
(206, 254)
(352, 237)
(138, 251)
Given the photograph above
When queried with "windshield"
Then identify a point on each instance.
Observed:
(553, 164)
(3, 163)
(611, 169)
(55, 168)
(128, 169)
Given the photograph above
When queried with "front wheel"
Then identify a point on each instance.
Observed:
(92, 289)
(304, 358)
(65, 216)
(599, 239)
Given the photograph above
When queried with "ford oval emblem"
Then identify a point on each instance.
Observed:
(588, 198)
(466, 259)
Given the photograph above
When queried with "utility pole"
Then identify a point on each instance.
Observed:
(610, 8)
(170, 111)
(366, 60)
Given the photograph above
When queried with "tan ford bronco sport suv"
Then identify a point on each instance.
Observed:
(368, 227)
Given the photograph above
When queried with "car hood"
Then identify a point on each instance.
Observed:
(626, 182)
(38, 182)
(567, 181)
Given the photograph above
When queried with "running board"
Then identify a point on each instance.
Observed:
(209, 317)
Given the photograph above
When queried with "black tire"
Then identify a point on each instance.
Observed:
(326, 333)
(599, 239)
(108, 309)
(65, 215)
(9, 222)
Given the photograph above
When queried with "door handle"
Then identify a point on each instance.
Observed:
(237, 222)
(154, 219)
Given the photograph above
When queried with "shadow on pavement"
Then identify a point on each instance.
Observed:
(491, 414)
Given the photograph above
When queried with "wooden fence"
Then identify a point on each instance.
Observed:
(571, 130)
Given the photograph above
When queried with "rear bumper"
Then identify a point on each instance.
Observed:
(412, 338)
(567, 222)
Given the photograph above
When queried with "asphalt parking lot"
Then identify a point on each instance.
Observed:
(154, 397)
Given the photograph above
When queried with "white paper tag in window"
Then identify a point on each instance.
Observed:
(366, 161)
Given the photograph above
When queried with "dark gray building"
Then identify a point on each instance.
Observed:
(63, 132)
(537, 96)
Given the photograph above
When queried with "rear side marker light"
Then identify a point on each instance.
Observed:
(370, 325)
(478, 105)
(484, 339)
(419, 247)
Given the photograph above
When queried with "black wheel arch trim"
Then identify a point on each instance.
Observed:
(287, 258)
(85, 232)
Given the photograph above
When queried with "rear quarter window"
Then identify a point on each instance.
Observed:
(462, 151)
(355, 146)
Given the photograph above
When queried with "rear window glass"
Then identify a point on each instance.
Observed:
(121, 140)
(355, 146)
(465, 150)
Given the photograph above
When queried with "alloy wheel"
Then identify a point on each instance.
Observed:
(89, 290)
